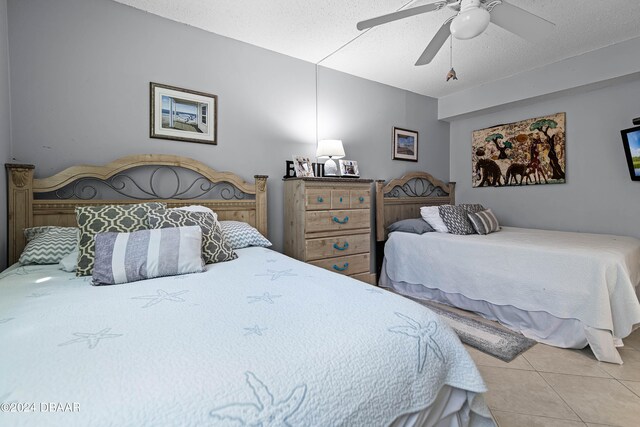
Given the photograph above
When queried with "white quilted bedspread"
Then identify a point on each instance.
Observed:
(588, 277)
(262, 340)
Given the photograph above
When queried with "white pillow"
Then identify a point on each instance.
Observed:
(431, 214)
(69, 262)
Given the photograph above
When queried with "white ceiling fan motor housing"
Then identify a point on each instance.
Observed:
(472, 20)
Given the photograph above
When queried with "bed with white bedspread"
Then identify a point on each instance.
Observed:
(261, 339)
(564, 289)
(578, 288)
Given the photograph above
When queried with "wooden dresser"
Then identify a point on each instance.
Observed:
(328, 224)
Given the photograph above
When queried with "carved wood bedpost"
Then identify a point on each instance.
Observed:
(261, 203)
(20, 208)
(380, 231)
(452, 192)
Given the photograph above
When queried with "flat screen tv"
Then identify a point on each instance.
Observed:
(631, 140)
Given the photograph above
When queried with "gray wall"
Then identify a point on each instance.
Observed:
(598, 196)
(5, 128)
(80, 88)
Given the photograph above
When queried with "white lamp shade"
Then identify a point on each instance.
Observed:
(470, 23)
(331, 148)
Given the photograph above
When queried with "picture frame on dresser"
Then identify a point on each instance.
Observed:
(303, 166)
(405, 145)
(183, 114)
(348, 168)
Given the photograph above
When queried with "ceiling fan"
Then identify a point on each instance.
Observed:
(472, 19)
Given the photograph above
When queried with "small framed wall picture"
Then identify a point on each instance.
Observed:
(349, 168)
(405, 145)
(183, 115)
(303, 166)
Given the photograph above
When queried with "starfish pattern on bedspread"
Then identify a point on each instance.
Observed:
(20, 271)
(267, 413)
(266, 297)
(424, 335)
(6, 319)
(275, 275)
(162, 296)
(92, 340)
(38, 294)
(255, 330)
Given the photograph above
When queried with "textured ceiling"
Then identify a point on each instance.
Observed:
(312, 30)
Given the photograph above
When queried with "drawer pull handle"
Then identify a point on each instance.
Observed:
(343, 248)
(340, 199)
(320, 199)
(344, 221)
(361, 199)
(343, 268)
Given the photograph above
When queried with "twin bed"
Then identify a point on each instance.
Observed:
(259, 340)
(563, 289)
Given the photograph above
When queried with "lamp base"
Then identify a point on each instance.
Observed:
(330, 168)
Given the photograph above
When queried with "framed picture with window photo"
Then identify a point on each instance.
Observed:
(183, 115)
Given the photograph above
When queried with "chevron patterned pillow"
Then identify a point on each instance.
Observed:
(48, 245)
(214, 246)
(109, 218)
(241, 235)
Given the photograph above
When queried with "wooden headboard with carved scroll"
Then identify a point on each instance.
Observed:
(402, 198)
(175, 180)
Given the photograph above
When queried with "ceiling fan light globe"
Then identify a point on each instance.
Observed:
(470, 23)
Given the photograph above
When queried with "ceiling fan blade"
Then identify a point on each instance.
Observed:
(520, 22)
(374, 22)
(435, 44)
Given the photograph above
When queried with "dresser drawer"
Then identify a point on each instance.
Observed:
(317, 199)
(337, 246)
(340, 199)
(360, 199)
(337, 220)
(346, 265)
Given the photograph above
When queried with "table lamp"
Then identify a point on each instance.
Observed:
(333, 149)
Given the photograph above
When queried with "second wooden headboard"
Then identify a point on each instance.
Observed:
(402, 198)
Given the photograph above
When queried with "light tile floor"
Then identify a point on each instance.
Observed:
(548, 386)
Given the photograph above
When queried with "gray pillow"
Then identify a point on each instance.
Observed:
(485, 222)
(412, 225)
(145, 254)
(455, 217)
(214, 246)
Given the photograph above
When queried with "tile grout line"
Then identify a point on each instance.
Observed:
(540, 416)
(560, 396)
(597, 366)
(627, 387)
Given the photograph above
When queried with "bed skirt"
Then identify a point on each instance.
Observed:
(537, 325)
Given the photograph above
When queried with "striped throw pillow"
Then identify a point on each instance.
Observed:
(48, 244)
(484, 222)
(145, 254)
